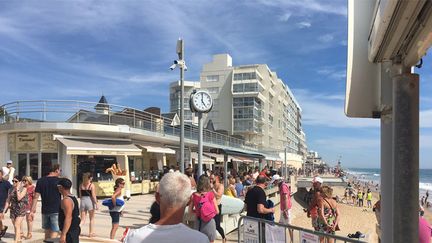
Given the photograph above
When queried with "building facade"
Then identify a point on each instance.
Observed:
(175, 90)
(252, 102)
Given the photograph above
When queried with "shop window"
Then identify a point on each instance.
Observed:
(22, 165)
(34, 167)
(95, 165)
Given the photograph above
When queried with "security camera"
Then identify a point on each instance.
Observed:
(173, 66)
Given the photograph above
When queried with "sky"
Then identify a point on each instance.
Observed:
(79, 50)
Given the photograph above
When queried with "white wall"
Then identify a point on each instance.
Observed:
(4, 153)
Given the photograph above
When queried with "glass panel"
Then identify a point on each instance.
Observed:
(22, 165)
(34, 166)
(48, 159)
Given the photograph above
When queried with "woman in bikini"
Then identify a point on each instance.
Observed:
(328, 213)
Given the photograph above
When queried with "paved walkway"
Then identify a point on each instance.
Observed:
(136, 214)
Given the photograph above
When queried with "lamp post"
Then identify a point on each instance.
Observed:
(182, 66)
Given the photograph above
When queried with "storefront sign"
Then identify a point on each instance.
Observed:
(308, 237)
(48, 144)
(27, 142)
(11, 142)
(250, 231)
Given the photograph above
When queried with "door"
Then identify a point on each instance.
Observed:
(28, 164)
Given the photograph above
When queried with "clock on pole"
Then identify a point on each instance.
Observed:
(200, 102)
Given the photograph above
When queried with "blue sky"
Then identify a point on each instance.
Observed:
(82, 49)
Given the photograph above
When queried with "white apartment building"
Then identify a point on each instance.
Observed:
(249, 101)
(175, 89)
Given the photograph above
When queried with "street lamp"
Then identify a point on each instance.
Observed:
(182, 66)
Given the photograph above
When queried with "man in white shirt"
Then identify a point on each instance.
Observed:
(8, 171)
(173, 197)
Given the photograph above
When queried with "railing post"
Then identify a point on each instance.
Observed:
(134, 125)
(18, 111)
(44, 111)
(78, 113)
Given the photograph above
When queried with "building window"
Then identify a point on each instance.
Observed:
(214, 90)
(245, 76)
(246, 87)
(212, 78)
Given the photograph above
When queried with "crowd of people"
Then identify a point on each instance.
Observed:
(63, 214)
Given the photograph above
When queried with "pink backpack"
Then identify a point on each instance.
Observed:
(205, 208)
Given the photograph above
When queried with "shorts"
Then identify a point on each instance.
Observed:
(283, 220)
(115, 217)
(50, 222)
(86, 204)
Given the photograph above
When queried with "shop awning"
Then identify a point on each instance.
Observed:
(99, 147)
(243, 159)
(217, 157)
(156, 149)
(273, 158)
(205, 159)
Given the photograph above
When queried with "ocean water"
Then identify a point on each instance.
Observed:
(368, 174)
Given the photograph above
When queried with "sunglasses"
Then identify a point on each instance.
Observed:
(15, 181)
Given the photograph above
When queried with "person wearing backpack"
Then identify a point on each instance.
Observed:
(204, 205)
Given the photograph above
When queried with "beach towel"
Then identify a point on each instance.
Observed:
(108, 203)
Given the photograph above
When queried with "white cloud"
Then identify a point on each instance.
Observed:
(306, 7)
(318, 110)
(348, 143)
(343, 43)
(426, 118)
(285, 17)
(304, 24)
(326, 38)
(332, 72)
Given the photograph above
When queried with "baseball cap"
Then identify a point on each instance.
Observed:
(318, 179)
(65, 183)
(9, 162)
(277, 177)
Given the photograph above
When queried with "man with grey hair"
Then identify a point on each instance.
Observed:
(173, 197)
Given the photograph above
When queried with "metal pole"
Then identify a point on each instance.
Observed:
(386, 184)
(182, 153)
(200, 144)
(285, 163)
(225, 170)
(406, 156)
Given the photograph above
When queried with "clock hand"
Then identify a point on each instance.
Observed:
(202, 99)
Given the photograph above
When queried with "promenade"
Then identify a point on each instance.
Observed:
(136, 214)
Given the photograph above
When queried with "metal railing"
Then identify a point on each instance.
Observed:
(255, 230)
(71, 111)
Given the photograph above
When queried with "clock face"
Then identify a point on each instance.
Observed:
(202, 101)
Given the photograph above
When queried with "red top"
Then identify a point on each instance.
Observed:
(197, 197)
(31, 194)
(285, 190)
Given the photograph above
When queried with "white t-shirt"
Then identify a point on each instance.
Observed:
(6, 172)
(165, 234)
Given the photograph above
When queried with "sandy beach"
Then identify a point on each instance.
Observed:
(352, 218)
